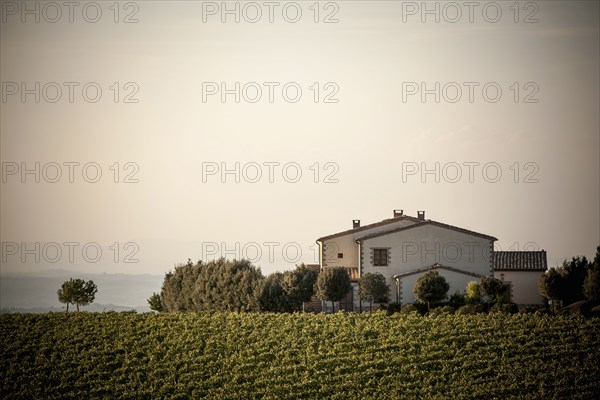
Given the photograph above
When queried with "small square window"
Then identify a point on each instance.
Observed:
(380, 257)
(340, 255)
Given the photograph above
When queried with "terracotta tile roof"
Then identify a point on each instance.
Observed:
(520, 261)
(314, 267)
(352, 272)
(373, 225)
(427, 222)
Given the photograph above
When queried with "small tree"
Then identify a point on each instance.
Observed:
(494, 289)
(155, 303)
(591, 284)
(457, 299)
(552, 286)
(299, 285)
(574, 272)
(373, 288)
(272, 296)
(78, 292)
(333, 284)
(473, 292)
(431, 288)
(65, 295)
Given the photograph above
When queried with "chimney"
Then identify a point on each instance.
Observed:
(398, 213)
(355, 223)
(421, 215)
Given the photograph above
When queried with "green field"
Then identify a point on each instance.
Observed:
(341, 356)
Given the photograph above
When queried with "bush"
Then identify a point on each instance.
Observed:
(444, 310)
(494, 289)
(473, 292)
(392, 308)
(580, 307)
(470, 309)
(457, 299)
(504, 308)
(543, 311)
(533, 309)
(416, 307)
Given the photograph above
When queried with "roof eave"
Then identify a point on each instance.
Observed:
(421, 223)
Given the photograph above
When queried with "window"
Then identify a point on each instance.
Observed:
(340, 255)
(380, 257)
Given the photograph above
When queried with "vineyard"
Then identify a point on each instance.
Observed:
(275, 356)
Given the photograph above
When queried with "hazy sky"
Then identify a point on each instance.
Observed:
(371, 145)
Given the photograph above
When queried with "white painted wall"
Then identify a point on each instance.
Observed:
(524, 285)
(425, 245)
(455, 280)
(347, 245)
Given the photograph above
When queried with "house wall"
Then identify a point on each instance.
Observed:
(342, 244)
(423, 246)
(524, 285)
(347, 245)
(456, 281)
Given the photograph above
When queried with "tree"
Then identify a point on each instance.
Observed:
(574, 272)
(431, 288)
(299, 285)
(494, 289)
(373, 288)
(591, 284)
(473, 292)
(565, 284)
(333, 284)
(552, 286)
(178, 285)
(224, 285)
(219, 285)
(64, 295)
(272, 295)
(155, 303)
(77, 292)
(457, 299)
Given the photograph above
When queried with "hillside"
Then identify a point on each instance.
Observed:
(341, 356)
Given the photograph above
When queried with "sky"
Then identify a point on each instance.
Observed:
(140, 157)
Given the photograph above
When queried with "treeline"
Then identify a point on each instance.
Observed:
(574, 281)
(224, 285)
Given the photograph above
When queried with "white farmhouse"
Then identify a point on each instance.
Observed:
(403, 248)
(520, 271)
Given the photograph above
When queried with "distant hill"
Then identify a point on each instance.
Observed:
(91, 308)
(36, 292)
